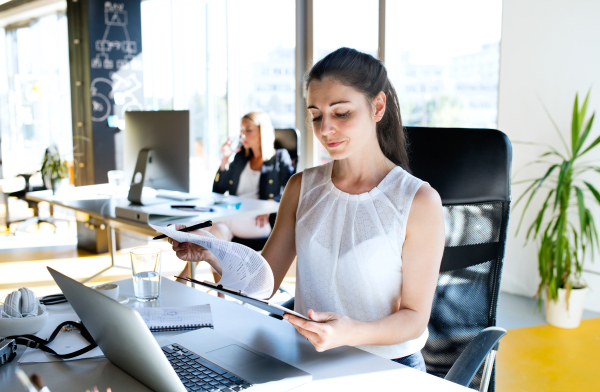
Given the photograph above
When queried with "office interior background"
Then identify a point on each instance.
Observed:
(459, 63)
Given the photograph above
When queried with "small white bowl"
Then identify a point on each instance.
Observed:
(24, 326)
(111, 290)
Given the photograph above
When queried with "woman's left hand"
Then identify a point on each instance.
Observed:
(262, 220)
(328, 330)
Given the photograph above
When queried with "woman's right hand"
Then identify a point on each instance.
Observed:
(187, 251)
(227, 149)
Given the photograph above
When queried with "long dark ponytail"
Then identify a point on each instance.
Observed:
(368, 75)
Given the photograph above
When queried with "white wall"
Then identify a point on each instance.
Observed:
(550, 49)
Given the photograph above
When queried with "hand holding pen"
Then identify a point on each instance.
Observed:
(186, 229)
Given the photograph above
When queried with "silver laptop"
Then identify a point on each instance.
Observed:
(201, 360)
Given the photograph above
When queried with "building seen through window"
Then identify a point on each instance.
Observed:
(338, 23)
(223, 59)
(219, 60)
(263, 40)
(185, 68)
(444, 74)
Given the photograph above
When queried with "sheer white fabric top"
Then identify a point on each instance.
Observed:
(249, 183)
(349, 250)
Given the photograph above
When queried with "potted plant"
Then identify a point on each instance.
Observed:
(55, 169)
(564, 227)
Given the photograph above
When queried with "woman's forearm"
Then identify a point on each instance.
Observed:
(224, 162)
(402, 326)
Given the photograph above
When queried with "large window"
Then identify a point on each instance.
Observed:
(262, 43)
(339, 23)
(443, 59)
(185, 68)
(35, 106)
(219, 60)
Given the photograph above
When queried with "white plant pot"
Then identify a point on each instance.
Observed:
(557, 313)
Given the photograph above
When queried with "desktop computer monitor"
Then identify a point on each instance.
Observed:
(167, 134)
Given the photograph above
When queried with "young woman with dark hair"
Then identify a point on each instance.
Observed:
(368, 235)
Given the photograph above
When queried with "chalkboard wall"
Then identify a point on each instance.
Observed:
(115, 42)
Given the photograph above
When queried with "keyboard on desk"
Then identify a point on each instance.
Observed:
(198, 374)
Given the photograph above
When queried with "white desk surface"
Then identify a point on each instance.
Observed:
(95, 200)
(344, 368)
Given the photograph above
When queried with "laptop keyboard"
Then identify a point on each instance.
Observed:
(198, 374)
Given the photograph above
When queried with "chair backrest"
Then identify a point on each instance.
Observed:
(470, 169)
(288, 138)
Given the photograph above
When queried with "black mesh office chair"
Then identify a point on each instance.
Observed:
(470, 169)
(288, 138)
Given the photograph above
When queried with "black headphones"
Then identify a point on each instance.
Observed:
(42, 344)
(53, 299)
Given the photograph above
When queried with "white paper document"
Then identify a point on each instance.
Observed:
(243, 268)
(64, 343)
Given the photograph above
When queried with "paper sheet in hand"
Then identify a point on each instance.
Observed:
(65, 342)
(243, 268)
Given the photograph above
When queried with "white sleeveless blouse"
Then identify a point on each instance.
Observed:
(349, 250)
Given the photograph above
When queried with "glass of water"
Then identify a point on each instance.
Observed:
(145, 263)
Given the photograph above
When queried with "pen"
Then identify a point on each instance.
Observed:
(193, 208)
(186, 229)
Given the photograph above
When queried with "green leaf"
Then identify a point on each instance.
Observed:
(526, 191)
(594, 144)
(584, 108)
(575, 127)
(562, 139)
(585, 133)
(581, 205)
(595, 232)
(561, 181)
(533, 192)
(553, 152)
(593, 190)
(538, 221)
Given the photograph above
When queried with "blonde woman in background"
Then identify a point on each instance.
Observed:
(257, 171)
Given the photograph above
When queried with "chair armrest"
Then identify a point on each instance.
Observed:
(469, 361)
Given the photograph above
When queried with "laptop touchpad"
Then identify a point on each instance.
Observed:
(234, 355)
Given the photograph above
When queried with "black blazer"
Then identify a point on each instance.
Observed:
(274, 175)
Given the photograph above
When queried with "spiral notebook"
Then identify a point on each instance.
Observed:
(182, 318)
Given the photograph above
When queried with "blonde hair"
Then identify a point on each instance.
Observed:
(267, 133)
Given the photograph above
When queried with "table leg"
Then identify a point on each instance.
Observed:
(7, 216)
(112, 249)
(112, 244)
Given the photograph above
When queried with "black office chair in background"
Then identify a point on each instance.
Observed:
(20, 194)
(470, 169)
(288, 138)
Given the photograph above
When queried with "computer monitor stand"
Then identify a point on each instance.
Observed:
(143, 166)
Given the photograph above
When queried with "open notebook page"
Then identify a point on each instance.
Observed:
(176, 318)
